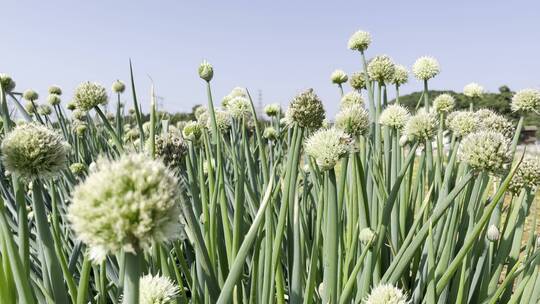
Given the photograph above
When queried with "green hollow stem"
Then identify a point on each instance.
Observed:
(132, 277)
(47, 243)
(331, 240)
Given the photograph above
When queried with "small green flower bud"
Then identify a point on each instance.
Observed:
(492, 233)
(118, 87)
(206, 71)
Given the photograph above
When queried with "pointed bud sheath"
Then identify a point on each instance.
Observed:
(206, 71)
(492, 233)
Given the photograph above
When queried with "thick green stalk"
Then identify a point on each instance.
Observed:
(47, 243)
(331, 240)
(131, 280)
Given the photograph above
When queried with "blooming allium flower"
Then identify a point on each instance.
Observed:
(422, 126)
(157, 290)
(327, 146)
(354, 120)
(128, 204)
(339, 77)
(444, 103)
(34, 151)
(486, 151)
(426, 68)
(89, 95)
(359, 41)
(306, 109)
(351, 98)
(381, 69)
(473, 90)
(386, 294)
(394, 116)
(527, 100)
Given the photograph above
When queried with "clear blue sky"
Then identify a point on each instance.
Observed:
(279, 47)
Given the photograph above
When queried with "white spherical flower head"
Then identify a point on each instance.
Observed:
(44, 110)
(206, 71)
(89, 95)
(485, 151)
(394, 116)
(118, 87)
(473, 90)
(240, 108)
(489, 120)
(381, 69)
(401, 75)
(386, 294)
(128, 204)
(462, 123)
(421, 126)
(200, 110)
(354, 120)
(327, 146)
(306, 109)
(272, 110)
(270, 133)
(426, 68)
(358, 80)
(7, 83)
(351, 98)
(492, 233)
(527, 100)
(157, 290)
(444, 103)
(366, 235)
(54, 99)
(192, 131)
(30, 95)
(54, 89)
(223, 121)
(34, 151)
(527, 176)
(339, 77)
(359, 41)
